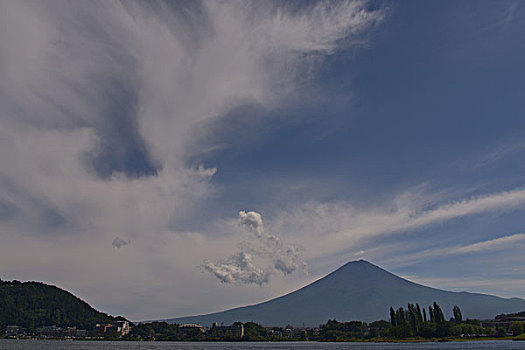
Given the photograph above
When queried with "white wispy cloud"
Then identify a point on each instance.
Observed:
(496, 243)
(505, 287)
(505, 242)
(346, 226)
(105, 83)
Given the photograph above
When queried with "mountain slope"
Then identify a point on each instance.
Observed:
(361, 291)
(35, 304)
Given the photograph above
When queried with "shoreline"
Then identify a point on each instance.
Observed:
(378, 341)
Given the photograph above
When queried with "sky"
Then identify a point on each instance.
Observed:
(163, 159)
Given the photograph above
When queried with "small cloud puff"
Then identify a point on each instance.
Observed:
(252, 221)
(119, 242)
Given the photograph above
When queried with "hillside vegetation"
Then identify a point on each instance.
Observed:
(35, 304)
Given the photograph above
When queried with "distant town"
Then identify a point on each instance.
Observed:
(411, 324)
(118, 329)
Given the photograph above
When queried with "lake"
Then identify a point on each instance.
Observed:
(6, 344)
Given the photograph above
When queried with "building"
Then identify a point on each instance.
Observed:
(274, 332)
(59, 332)
(192, 326)
(235, 331)
(116, 329)
(49, 331)
(100, 329)
(13, 331)
(502, 324)
(119, 328)
(124, 327)
(289, 331)
(191, 330)
(73, 332)
(81, 333)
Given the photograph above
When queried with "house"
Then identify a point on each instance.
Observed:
(191, 329)
(13, 331)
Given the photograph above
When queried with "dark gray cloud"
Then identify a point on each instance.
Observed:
(121, 148)
(119, 242)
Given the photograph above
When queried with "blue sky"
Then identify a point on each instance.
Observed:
(433, 99)
(216, 154)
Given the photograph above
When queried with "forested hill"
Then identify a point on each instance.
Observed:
(35, 304)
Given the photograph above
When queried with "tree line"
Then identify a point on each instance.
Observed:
(412, 322)
(416, 322)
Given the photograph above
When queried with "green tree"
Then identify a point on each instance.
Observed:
(517, 328)
(431, 315)
(442, 329)
(413, 318)
(254, 331)
(400, 316)
(458, 318)
(378, 329)
(392, 317)
(438, 313)
(419, 315)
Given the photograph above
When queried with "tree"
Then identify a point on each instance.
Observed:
(414, 317)
(442, 329)
(458, 318)
(419, 315)
(254, 331)
(400, 316)
(517, 328)
(392, 317)
(378, 329)
(438, 313)
(431, 314)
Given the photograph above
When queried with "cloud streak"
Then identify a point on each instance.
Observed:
(505, 242)
(511, 287)
(346, 226)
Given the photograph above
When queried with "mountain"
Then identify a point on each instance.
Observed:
(360, 291)
(35, 304)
